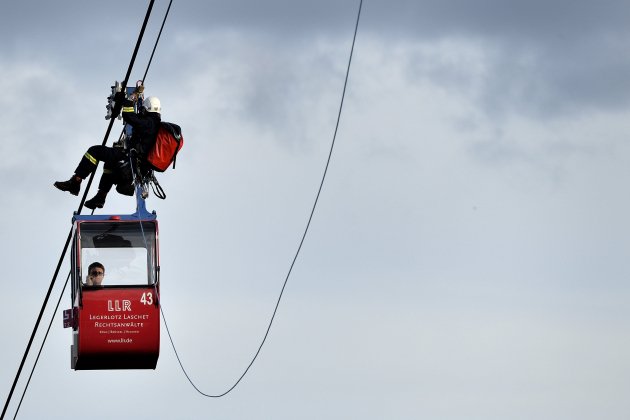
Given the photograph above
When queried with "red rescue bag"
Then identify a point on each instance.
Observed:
(168, 142)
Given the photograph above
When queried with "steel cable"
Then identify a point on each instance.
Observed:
(310, 218)
(41, 347)
(65, 248)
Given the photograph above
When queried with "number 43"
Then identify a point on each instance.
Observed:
(147, 298)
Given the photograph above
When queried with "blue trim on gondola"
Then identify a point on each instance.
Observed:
(141, 213)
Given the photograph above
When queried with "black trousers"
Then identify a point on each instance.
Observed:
(111, 157)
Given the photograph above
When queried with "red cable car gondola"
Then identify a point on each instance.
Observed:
(116, 325)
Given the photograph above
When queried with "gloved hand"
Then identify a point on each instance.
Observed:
(119, 97)
(137, 93)
(116, 109)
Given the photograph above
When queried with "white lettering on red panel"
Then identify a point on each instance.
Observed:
(119, 305)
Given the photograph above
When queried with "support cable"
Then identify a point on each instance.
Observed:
(299, 247)
(124, 85)
(65, 248)
(65, 285)
(42, 346)
(39, 318)
(157, 40)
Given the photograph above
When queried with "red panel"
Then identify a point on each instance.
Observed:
(119, 328)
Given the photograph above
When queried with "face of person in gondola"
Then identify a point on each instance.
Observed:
(95, 276)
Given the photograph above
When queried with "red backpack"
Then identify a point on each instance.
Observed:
(168, 142)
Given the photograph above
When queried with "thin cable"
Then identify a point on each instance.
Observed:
(39, 318)
(157, 40)
(124, 85)
(52, 318)
(321, 185)
(65, 248)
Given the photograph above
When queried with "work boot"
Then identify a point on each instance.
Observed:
(125, 189)
(73, 185)
(97, 201)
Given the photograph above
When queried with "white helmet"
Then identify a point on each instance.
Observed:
(152, 104)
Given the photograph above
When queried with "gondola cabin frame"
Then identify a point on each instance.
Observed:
(116, 325)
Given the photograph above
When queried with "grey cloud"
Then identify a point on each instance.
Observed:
(543, 59)
(443, 267)
(548, 58)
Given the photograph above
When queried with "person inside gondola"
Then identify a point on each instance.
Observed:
(96, 273)
(145, 130)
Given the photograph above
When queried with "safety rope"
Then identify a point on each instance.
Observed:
(65, 248)
(310, 218)
(156, 187)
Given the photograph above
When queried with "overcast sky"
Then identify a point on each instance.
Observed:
(469, 257)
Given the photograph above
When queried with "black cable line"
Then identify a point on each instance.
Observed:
(39, 318)
(42, 346)
(65, 248)
(124, 85)
(157, 40)
(65, 285)
(301, 241)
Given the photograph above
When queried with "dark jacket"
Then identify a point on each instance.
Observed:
(145, 128)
